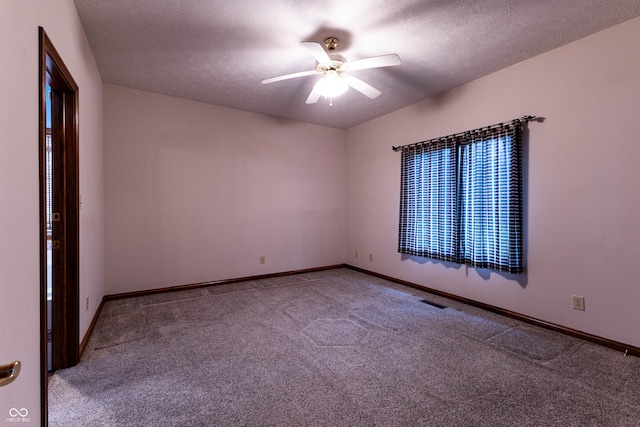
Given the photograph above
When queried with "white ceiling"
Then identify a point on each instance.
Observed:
(218, 51)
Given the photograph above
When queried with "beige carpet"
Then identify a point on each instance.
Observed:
(334, 348)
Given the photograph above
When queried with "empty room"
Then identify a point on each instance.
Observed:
(320, 213)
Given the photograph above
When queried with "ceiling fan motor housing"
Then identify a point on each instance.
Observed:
(337, 61)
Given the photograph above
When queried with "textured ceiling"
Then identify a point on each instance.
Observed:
(218, 51)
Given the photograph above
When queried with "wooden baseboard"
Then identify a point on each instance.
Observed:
(87, 335)
(624, 348)
(216, 283)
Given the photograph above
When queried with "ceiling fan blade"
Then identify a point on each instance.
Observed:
(318, 52)
(374, 62)
(289, 76)
(362, 87)
(313, 97)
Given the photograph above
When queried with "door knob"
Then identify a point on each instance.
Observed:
(9, 372)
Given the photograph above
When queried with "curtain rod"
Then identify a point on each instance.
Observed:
(521, 119)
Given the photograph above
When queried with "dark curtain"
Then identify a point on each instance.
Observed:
(461, 198)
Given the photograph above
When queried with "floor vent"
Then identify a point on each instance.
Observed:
(435, 304)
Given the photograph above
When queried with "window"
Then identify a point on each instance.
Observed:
(461, 198)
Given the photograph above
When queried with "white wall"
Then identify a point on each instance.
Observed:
(19, 211)
(197, 193)
(582, 178)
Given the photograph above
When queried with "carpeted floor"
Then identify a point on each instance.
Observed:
(334, 348)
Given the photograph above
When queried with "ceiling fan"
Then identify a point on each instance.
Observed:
(335, 71)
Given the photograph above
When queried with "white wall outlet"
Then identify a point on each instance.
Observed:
(356, 254)
(370, 257)
(263, 259)
(578, 302)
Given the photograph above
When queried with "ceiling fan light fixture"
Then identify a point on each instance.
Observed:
(331, 85)
(335, 72)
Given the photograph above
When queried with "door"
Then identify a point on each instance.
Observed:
(59, 201)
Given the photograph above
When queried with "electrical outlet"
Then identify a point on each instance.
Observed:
(370, 257)
(356, 254)
(578, 303)
(263, 259)
(87, 305)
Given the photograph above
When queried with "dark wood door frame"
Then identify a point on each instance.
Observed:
(65, 234)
